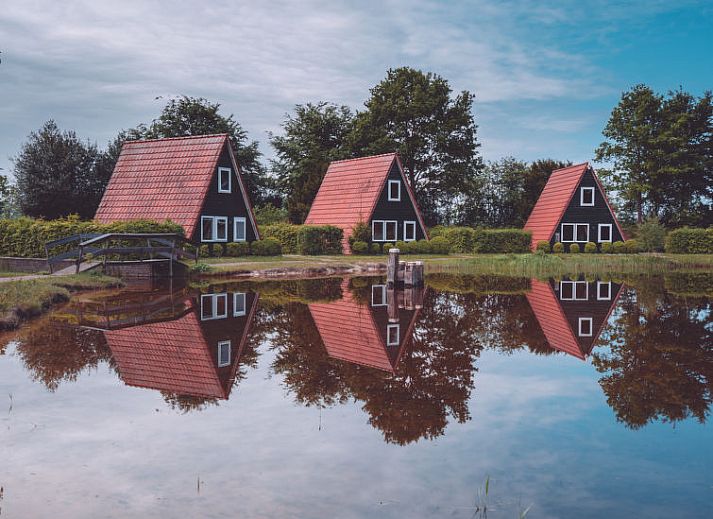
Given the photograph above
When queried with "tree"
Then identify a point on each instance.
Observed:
(56, 174)
(313, 137)
(413, 113)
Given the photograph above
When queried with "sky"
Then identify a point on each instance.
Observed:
(545, 74)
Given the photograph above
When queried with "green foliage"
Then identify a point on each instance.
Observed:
(375, 248)
(461, 239)
(619, 247)
(607, 247)
(502, 240)
(266, 247)
(204, 251)
(200, 268)
(387, 246)
(237, 249)
(574, 248)
(361, 232)
(632, 246)
(404, 247)
(440, 245)
(360, 247)
(285, 233)
(268, 214)
(544, 246)
(651, 235)
(590, 247)
(420, 247)
(305, 239)
(690, 241)
(558, 248)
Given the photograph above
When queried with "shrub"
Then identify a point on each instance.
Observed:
(558, 248)
(590, 247)
(543, 246)
(285, 233)
(266, 247)
(440, 245)
(502, 241)
(204, 251)
(690, 241)
(607, 247)
(237, 249)
(631, 246)
(619, 247)
(651, 235)
(420, 247)
(360, 247)
(375, 248)
(268, 214)
(361, 232)
(404, 247)
(305, 239)
(387, 246)
(574, 248)
(462, 239)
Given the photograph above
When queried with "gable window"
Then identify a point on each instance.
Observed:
(378, 295)
(214, 228)
(574, 290)
(586, 196)
(224, 180)
(585, 326)
(223, 353)
(603, 291)
(214, 306)
(383, 230)
(574, 232)
(238, 304)
(392, 334)
(394, 190)
(239, 233)
(409, 231)
(604, 232)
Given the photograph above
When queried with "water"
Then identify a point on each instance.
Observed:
(340, 398)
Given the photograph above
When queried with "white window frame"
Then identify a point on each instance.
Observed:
(382, 288)
(236, 221)
(390, 327)
(214, 228)
(599, 291)
(413, 223)
(599, 232)
(591, 326)
(222, 171)
(581, 196)
(237, 296)
(214, 306)
(398, 196)
(383, 224)
(221, 345)
(574, 284)
(574, 235)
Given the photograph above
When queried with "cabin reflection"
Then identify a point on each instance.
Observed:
(573, 312)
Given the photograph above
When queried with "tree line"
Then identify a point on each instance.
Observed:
(657, 152)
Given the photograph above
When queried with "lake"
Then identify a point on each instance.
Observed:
(476, 396)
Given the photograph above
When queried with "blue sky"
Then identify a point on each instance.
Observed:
(545, 74)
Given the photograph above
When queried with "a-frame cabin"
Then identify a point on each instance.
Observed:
(373, 190)
(573, 208)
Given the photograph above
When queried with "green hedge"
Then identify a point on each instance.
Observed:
(690, 241)
(502, 241)
(26, 237)
(305, 239)
(462, 239)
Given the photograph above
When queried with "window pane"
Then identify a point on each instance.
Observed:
(378, 295)
(581, 288)
(223, 353)
(604, 233)
(207, 224)
(409, 231)
(583, 232)
(585, 326)
(377, 231)
(392, 332)
(206, 307)
(239, 303)
(220, 305)
(587, 196)
(224, 179)
(604, 290)
(566, 291)
(390, 231)
(567, 232)
(394, 190)
(239, 229)
(221, 229)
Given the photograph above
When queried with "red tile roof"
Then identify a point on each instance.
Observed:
(164, 179)
(350, 190)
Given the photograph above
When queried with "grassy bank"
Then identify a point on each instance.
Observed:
(23, 299)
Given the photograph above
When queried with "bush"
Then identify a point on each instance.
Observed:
(543, 246)
(404, 247)
(268, 214)
(305, 239)
(420, 247)
(651, 235)
(690, 241)
(440, 245)
(237, 249)
(360, 247)
(266, 247)
(375, 248)
(361, 232)
(558, 248)
(285, 233)
(204, 251)
(461, 239)
(607, 247)
(590, 247)
(502, 241)
(619, 247)
(631, 246)
(574, 248)
(387, 246)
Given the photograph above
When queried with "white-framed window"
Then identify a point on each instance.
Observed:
(239, 307)
(214, 228)
(239, 231)
(585, 326)
(224, 180)
(392, 334)
(378, 295)
(394, 190)
(409, 231)
(574, 291)
(224, 348)
(586, 196)
(603, 291)
(383, 230)
(574, 232)
(214, 306)
(604, 232)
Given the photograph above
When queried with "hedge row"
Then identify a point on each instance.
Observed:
(305, 239)
(690, 241)
(26, 237)
(437, 245)
(266, 247)
(484, 241)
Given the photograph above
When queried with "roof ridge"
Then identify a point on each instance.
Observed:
(573, 166)
(187, 137)
(364, 158)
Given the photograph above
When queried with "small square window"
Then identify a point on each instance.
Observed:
(409, 231)
(238, 304)
(223, 354)
(378, 295)
(394, 190)
(392, 334)
(224, 180)
(239, 229)
(605, 232)
(585, 326)
(603, 291)
(586, 196)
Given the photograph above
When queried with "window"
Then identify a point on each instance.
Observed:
(238, 304)
(239, 229)
(382, 230)
(394, 190)
(575, 232)
(214, 306)
(223, 354)
(586, 196)
(224, 180)
(604, 232)
(574, 290)
(378, 295)
(214, 228)
(603, 291)
(409, 231)
(585, 326)
(392, 334)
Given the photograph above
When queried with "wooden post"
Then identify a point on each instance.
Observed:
(79, 257)
(392, 267)
(392, 305)
(418, 277)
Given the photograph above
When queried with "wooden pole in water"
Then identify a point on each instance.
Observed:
(392, 267)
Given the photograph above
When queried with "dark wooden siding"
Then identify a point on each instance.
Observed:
(225, 204)
(401, 211)
(592, 215)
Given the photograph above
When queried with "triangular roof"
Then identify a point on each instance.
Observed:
(350, 190)
(555, 199)
(166, 179)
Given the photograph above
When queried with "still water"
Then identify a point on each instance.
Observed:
(474, 397)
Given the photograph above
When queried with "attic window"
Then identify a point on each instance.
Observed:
(392, 334)
(394, 190)
(585, 326)
(224, 178)
(378, 295)
(586, 196)
(223, 354)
